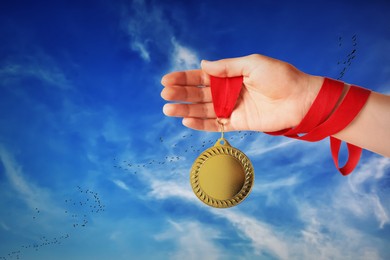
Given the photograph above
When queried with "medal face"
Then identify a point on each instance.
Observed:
(222, 176)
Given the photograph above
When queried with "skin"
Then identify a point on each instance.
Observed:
(275, 96)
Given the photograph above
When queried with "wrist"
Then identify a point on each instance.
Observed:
(334, 108)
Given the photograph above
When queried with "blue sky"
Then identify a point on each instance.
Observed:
(90, 168)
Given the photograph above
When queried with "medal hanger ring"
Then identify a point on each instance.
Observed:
(221, 127)
(222, 176)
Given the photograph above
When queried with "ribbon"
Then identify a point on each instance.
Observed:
(322, 119)
(225, 92)
(320, 122)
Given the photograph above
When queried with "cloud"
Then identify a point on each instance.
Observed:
(331, 221)
(168, 189)
(380, 212)
(364, 192)
(259, 147)
(33, 195)
(277, 184)
(262, 236)
(183, 58)
(151, 34)
(4, 226)
(147, 28)
(193, 240)
(39, 66)
(121, 184)
(327, 234)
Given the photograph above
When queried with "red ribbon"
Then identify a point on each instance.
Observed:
(225, 92)
(319, 124)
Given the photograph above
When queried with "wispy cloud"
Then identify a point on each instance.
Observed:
(259, 147)
(357, 197)
(281, 183)
(38, 66)
(262, 236)
(146, 26)
(183, 58)
(193, 240)
(33, 195)
(328, 235)
(364, 192)
(169, 189)
(151, 34)
(121, 184)
(4, 226)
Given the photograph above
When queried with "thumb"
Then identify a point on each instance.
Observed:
(232, 67)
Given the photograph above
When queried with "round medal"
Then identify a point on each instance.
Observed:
(222, 176)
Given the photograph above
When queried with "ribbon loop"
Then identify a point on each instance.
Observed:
(321, 121)
(225, 92)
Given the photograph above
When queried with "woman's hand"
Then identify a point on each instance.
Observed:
(275, 95)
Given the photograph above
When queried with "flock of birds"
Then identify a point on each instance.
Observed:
(78, 210)
(79, 207)
(179, 148)
(347, 61)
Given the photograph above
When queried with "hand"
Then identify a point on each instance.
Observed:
(275, 95)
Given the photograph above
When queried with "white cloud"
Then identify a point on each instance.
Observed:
(183, 58)
(259, 147)
(39, 66)
(263, 237)
(275, 188)
(121, 184)
(193, 241)
(276, 184)
(141, 49)
(370, 171)
(330, 221)
(4, 226)
(362, 197)
(146, 23)
(33, 195)
(328, 235)
(380, 212)
(168, 189)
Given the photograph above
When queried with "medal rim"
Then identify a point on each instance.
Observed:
(222, 149)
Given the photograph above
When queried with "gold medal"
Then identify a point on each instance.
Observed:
(222, 176)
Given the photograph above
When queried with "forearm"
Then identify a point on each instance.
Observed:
(371, 127)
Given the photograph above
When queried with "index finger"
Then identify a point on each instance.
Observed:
(186, 78)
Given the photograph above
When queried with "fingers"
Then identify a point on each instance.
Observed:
(233, 67)
(208, 124)
(185, 78)
(201, 110)
(187, 94)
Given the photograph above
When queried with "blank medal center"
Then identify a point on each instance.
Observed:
(222, 177)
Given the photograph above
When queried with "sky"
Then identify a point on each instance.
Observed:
(90, 168)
